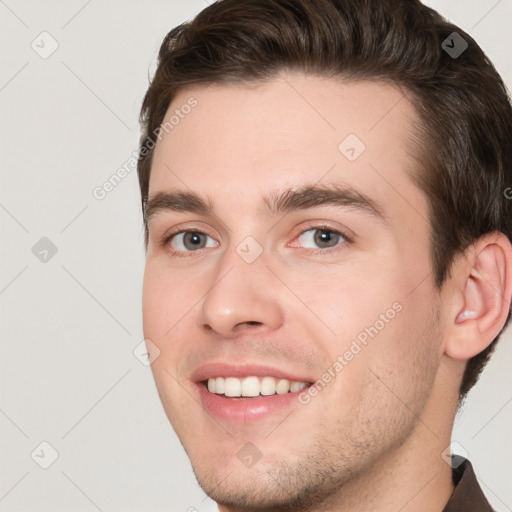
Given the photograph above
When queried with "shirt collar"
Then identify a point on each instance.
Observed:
(467, 494)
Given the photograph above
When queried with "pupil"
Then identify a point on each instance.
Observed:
(194, 238)
(324, 237)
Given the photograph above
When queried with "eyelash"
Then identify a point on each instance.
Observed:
(184, 254)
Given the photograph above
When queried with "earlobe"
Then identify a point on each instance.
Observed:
(485, 292)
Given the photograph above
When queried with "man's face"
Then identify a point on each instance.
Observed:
(279, 296)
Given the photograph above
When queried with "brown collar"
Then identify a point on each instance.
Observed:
(467, 495)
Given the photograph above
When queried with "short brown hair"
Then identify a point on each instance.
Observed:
(465, 135)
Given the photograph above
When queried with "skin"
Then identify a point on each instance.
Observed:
(372, 438)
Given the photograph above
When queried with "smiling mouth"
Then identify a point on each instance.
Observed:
(252, 386)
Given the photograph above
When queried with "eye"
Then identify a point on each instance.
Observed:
(323, 236)
(186, 241)
(182, 243)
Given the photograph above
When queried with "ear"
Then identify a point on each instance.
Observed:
(483, 289)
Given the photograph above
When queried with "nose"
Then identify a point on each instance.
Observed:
(240, 297)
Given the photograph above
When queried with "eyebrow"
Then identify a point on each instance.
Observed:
(274, 204)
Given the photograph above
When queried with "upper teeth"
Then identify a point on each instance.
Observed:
(252, 386)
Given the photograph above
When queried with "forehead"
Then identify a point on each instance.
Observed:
(239, 142)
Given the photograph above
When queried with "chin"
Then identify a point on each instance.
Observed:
(281, 485)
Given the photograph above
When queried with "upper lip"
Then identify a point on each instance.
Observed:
(219, 369)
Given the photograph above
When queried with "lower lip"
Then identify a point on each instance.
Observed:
(245, 410)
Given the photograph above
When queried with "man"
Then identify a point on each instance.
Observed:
(329, 266)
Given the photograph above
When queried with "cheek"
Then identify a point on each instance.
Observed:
(403, 357)
(376, 323)
(169, 311)
(164, 318)
(395, 367)
(347, 300)
(166, 298)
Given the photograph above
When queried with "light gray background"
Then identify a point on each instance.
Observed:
(69, 326)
